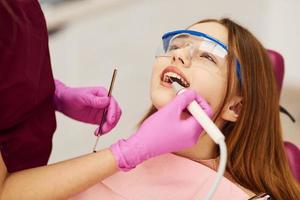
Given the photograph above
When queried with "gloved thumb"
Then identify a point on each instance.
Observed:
(182, 100)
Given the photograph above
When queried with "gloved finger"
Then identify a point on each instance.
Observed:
(96, 133)
(106, 128)
(113, 112)
(97, 102)
(182, 100)
(191, 123)
(119, 114)
(113, 115)
(116, 120)
(98, 91)
(204, 105)
(193, 127)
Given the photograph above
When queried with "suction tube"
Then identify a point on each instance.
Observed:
(212, 130)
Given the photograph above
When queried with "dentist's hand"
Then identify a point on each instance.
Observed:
(163, 132)
(87, 105)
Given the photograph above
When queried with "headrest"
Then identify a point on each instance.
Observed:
(278, 66)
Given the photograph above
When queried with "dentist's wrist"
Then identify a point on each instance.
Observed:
(129, 153)
(58, 95)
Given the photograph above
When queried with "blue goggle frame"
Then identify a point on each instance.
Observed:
(167, 37)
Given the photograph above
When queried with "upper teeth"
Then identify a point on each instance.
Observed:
(175, 75)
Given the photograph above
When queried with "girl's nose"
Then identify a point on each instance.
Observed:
(182, 57)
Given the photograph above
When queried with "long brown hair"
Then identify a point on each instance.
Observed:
(256, 156)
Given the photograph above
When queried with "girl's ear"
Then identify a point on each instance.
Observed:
(232, 109)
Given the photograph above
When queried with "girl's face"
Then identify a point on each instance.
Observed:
(206, 77)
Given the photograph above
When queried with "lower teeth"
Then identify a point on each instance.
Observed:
(169, 80)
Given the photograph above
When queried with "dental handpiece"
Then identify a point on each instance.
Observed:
(213, 131)
(195, 109)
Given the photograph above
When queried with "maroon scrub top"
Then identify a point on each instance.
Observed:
(27, 115)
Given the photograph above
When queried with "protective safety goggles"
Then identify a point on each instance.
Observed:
(196, 46)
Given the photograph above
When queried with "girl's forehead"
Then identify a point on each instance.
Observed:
(213, 29)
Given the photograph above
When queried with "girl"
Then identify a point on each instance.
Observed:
(224, 63)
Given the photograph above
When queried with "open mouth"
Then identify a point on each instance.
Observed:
(171, 74)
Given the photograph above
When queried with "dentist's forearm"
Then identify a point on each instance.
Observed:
(61, 180)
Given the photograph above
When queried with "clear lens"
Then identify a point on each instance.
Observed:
(194, 45)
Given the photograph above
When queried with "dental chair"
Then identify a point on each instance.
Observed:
(292, 151)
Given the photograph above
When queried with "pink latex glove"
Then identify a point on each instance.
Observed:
(163, 132)
(87, 104)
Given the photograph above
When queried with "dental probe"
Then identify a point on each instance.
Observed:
(105, 110)
(212, 130)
